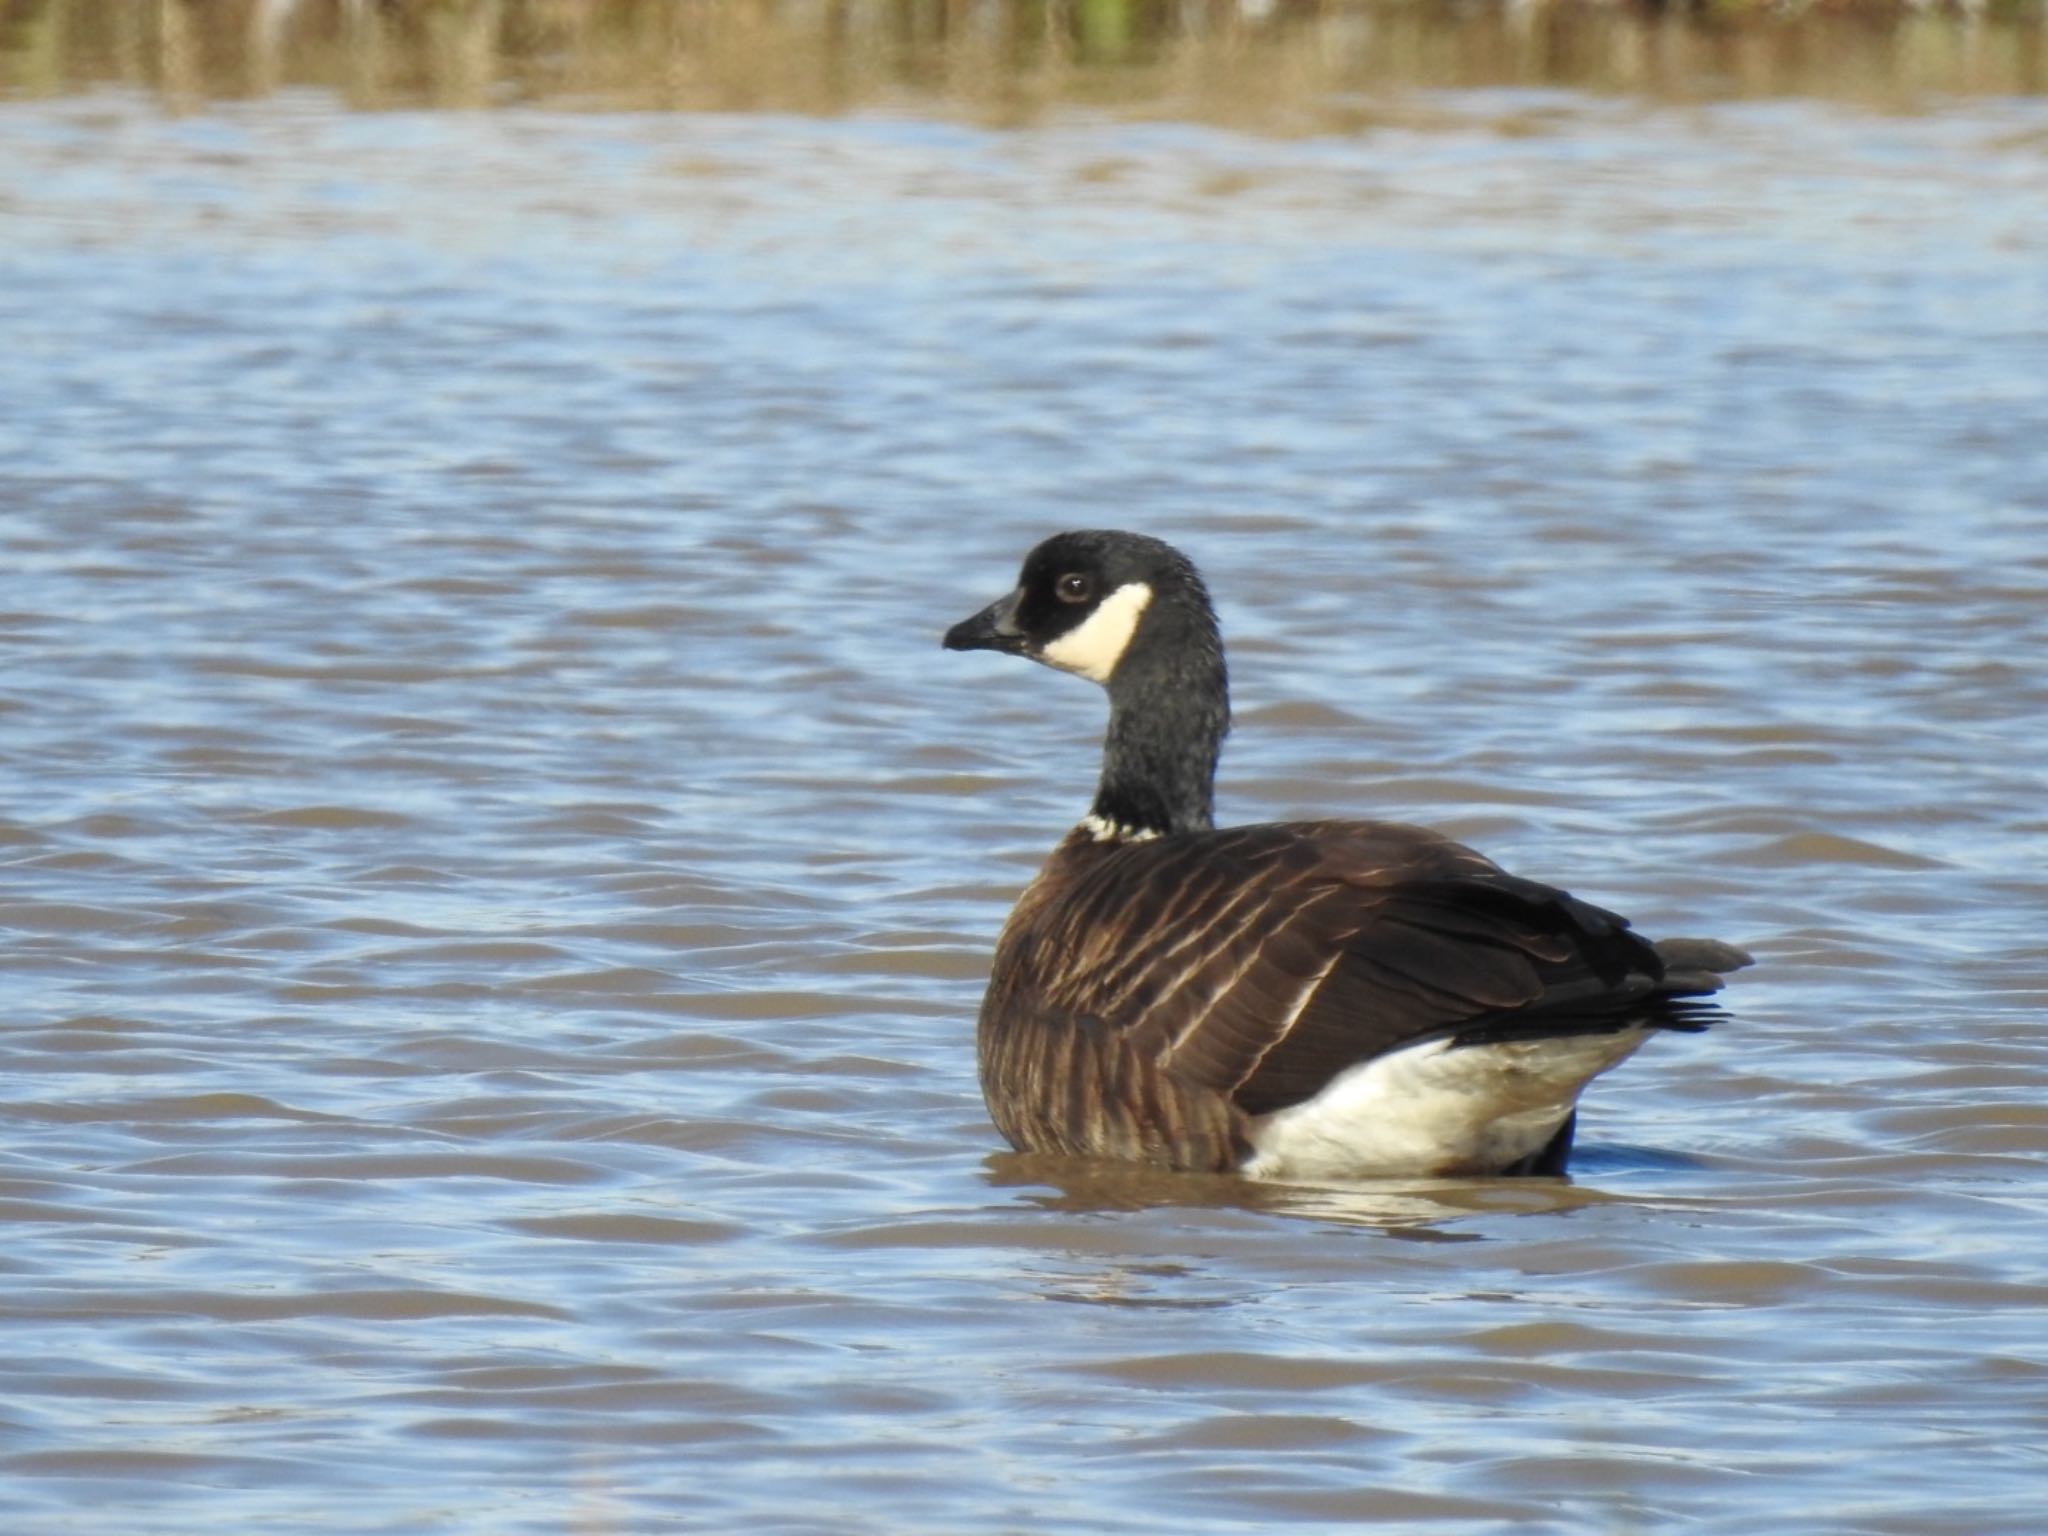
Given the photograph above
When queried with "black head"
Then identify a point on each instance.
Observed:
(1085, 601)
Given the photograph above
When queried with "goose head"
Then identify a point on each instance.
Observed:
(1086, 602)
(1130, 613)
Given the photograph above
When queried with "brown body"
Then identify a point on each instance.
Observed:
(1153, 1000)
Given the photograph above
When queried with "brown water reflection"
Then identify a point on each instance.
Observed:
(1429, 1209)
(1277, 65)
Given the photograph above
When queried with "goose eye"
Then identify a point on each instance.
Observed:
(1074, 588)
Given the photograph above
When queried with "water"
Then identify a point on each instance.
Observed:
(498, 874)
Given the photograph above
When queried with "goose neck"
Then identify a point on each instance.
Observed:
(1166, 729)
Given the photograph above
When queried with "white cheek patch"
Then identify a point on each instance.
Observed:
(1095, 646)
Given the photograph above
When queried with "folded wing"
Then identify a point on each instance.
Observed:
(1261, 962)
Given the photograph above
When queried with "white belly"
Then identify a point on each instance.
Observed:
(1434, 1110)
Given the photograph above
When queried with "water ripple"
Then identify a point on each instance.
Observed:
(497, 872)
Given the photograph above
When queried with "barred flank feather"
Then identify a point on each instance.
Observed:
(1150, 1000)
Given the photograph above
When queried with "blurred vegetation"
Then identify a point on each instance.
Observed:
(1276, 65)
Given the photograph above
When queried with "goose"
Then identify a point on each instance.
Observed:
(1301, 1001)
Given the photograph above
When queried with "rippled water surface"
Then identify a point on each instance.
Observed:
(497, 874)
